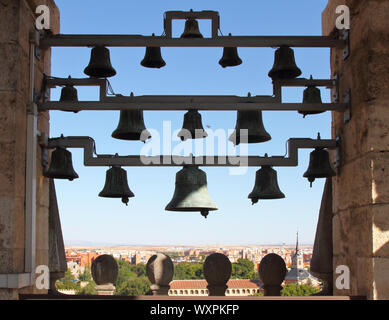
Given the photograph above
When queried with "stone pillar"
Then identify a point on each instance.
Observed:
(105, 273)
(272, 271)
(361, 188)
(17, 21)
(160, 271)
(321, 262)
(217, 270)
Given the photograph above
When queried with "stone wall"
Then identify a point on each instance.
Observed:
(17, 20)
(361, 189)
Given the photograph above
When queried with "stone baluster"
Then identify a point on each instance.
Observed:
(57, 257)
(105, 273)
(217, 270)
(321, 263)
(272, 271)
(160, 271)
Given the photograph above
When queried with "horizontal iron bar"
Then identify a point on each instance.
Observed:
(88, 144)
(182, 105)
(80, 40)
(301, 82)
(53, 82)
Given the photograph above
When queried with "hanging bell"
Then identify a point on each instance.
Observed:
(192, 127)
(319, 165)
(230, 57)
(311, 95)
(266, 185)
(252, 121)
(284, 64)
(116, 185)
(191, 193)
(153, 58)
(191, 29)
(131, 126)
(100, 64)
(61, 166)
(69, 94)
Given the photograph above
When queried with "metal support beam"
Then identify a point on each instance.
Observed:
(88, 144)
(81, 40)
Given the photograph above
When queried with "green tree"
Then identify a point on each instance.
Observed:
(89, 289)
(188, 271)
(298, 290)
(134, 287)
(68, 282)
(85, 276)
(243, 269)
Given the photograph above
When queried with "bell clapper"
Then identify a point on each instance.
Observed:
(204, 213)
(125, 200)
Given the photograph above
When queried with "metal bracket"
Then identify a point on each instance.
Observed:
(335, 89)
(347, 100)
(346, 38)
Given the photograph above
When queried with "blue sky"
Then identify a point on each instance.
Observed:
(87, 217)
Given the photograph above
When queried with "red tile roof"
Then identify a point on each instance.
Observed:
(202, 284)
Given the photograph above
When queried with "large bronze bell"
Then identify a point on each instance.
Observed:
(69, 94)
(230, 57)
(100, 63)
(319, 165)
(266, 185)
(116, 185)
(61, 166)
(192, 127)
(284, 64)
(191, 29)
(131, 126)
(153, 58)
(311, 95)
(252, 121)
(191, 192)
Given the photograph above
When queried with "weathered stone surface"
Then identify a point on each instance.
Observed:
(217, 269)
(160, 271)
(381, 279)
(380, 230)
(104, 270)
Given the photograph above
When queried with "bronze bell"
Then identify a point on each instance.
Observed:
(192, 127)
(61, 166)
(191, 192)
(230, 57)
(284, 64)
(311, 95)
(69, 94)
(116, 185)
(100, 64)
(319, 165)
(153, 58)
(266, 185)
(131, 126)
(252, 121)
(191, 29)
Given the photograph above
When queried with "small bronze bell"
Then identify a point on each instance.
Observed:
(69, 94)
(266, 185)
(191, 192)
(230, 57)
(61, 166)
(311, 95)
(252, 121)
(319, 165)
(153, 58)
(284, 64)
(116, 185)
(191, 29)
(192, 127)
(100, 63)
(131, 126)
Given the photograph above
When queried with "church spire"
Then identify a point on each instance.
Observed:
(297, 242)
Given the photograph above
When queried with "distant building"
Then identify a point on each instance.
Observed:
(297, 274)
(199, 287)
